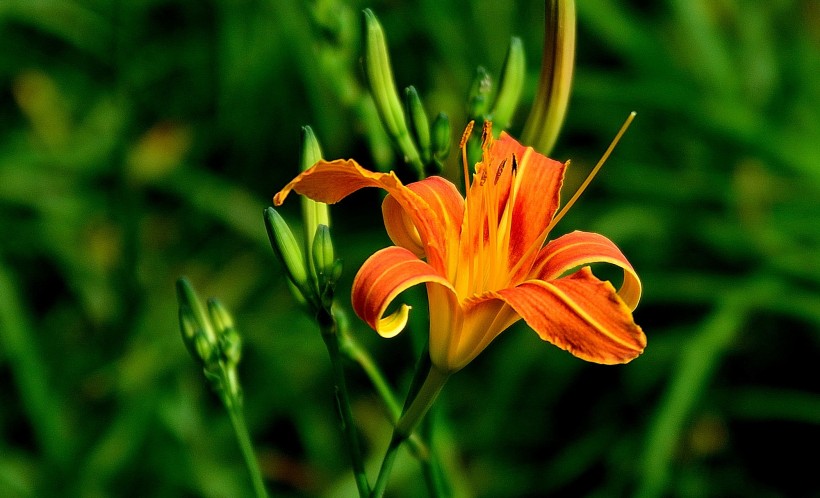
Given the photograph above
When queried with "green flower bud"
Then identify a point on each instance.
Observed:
(230, 344)
(220, 317)
(189, 329)
(311, 152)
(336, 271)
(419, 123)
(323, 255)
(509, 89)
(478, 103)
(441, 137)
(191, 306)
(286, 249)
(551, 99)
(379, 75)
(205, 350)
(328, 268)
(313, 213)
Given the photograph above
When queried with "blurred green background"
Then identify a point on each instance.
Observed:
(140, 141)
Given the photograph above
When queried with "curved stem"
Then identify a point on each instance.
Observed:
(352, 350)
(387, 465)
(418, 403)
(244, 439)
(431, 467)
(327, 323)
(422, 402)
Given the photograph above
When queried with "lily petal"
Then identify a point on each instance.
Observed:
(580, 314)
(536, 193)
(381, 278)
(330, 182)
(485, 317)
(442, 197)
(583, 248)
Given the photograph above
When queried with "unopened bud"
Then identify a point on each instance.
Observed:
(551, 99)
(230, 344)
(379, 75)
(220, 317)
(286, 248)
(323, 255)
(313, 213)
(204, 350)
(441, 137)
(419, 123)
(510, 85)
(192, 309)
(189, 329)
(478, 102)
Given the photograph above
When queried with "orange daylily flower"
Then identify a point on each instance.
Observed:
(483, 258)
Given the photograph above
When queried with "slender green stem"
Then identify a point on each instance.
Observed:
(244, 439)
(350, 348)
(423, 400)
(419, 401)
(387, 464)
(327, 323)
(353, 350)
(431, 466)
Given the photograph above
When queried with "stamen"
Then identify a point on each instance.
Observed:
(594, 171)
(499, 171)
(483, 177)
(466, 135)
(514, 165)
(463, 146)
(486, 133)
(539, 241)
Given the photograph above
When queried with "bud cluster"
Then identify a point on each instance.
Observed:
(311, 266)
(212, 339)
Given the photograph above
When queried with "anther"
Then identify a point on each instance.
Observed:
(466, 135)
(500, 170)
(486, 132)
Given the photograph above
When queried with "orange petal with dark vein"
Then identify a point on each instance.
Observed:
(583, 248)
(332, 181)
(580, 314)
(537, 192)
(381, 278)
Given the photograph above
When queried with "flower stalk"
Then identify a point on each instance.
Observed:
(212, 339)
(329, 329)
(424, 390)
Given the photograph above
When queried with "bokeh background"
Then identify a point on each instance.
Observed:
(140, 141)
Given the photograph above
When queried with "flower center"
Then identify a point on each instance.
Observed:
(483, 264)
(482, 261)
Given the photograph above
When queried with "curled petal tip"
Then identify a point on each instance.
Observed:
(391, 325)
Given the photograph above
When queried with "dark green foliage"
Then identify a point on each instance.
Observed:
(139, 141)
